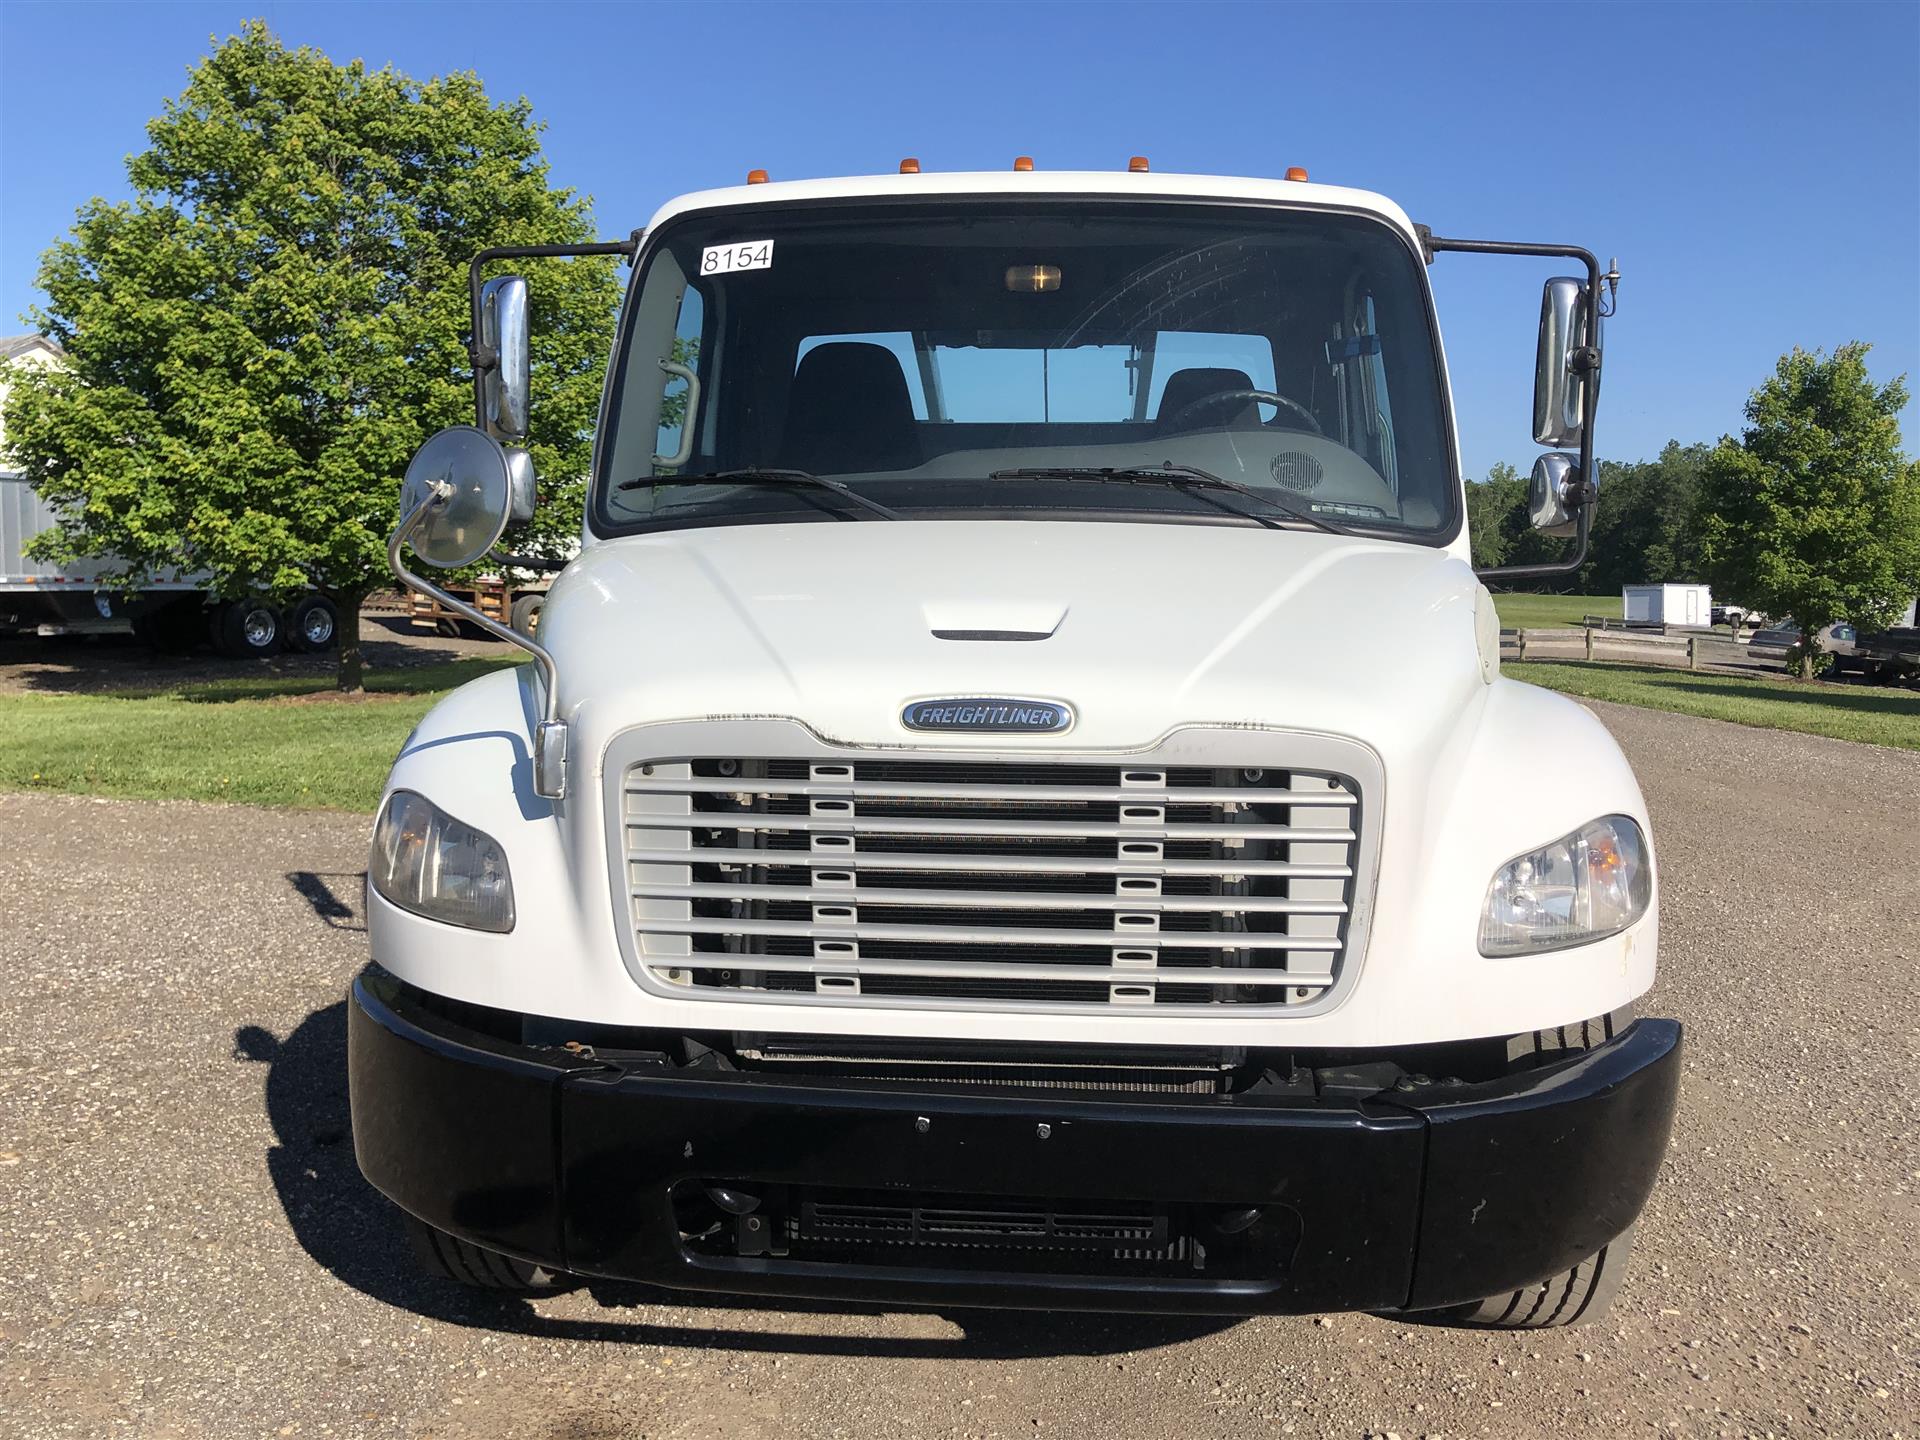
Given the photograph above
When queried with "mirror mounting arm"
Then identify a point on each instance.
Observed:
(484, 357)
(550, 737)
(1585, 357)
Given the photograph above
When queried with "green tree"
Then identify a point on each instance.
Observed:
(1489, 504)
(261, 337)
(1645, 529)
(1815, 511)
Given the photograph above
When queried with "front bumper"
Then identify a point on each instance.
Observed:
(1442, 1195)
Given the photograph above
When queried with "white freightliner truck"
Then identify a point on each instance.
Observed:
(1016, 804)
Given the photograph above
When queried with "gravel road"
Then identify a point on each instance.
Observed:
(186, 1248)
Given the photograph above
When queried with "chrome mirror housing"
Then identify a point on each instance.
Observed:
(456, 498)
(520, 486)
(507, 380)
(1563, 374)
(1555, 495)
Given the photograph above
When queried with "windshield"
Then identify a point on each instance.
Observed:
(918, 354)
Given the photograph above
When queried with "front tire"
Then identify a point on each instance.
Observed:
(447, 1257)
(1573, 1297)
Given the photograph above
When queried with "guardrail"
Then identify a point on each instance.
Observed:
(1692, 648)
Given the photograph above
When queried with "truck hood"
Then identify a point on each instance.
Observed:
(1140, 628)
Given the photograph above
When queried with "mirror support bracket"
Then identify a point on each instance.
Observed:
(550, 736)
(484, 357)
(1585, 357)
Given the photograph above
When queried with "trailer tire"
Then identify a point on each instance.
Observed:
(526, 614)
(313, 624)
(447, 1257)
(248, 629)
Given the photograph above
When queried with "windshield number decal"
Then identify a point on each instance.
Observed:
(747, 255)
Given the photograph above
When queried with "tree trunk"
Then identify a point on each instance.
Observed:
(1803, 667)
(352, 676)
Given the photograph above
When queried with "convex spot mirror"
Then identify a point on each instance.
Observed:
(520, 486)
(1555, 496)
(507, 381)
(1562, 380)
(467, 476)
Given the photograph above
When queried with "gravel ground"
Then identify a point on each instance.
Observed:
(186, 1248)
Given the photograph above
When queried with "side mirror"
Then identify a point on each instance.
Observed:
(456, 498)
(1555, 496)
(506, 383)
(1564, 372)
(521, 486)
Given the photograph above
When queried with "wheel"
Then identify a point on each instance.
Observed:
(313, 624)
(525, 615)
(247, 629)
(1582, 1294)
(446, 1257)
(1573, 1297)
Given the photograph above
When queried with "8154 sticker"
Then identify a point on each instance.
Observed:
(746, 255)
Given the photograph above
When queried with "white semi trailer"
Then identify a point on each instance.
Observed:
(173, 611)
(1017, 804)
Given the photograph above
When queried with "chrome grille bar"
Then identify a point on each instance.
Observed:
(1058, 884)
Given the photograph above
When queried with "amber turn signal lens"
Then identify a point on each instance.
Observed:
(756, 177)
(909, 166)
(1023, 162)
(1296, 172)
(1138, 165)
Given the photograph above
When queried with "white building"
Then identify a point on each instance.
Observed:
(23, 350)
(1668, 604)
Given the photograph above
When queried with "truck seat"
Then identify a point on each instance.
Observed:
(849, 412)
(1186, 386)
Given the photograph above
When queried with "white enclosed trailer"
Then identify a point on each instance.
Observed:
(1017, 803)
(1667, 604)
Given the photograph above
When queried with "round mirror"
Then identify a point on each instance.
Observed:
(468, 471)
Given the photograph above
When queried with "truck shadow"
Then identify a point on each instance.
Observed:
(355, 1233)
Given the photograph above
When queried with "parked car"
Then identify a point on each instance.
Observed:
(1837, 640)
(1734, 615)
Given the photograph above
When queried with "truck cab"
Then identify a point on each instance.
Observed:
(1016, 803)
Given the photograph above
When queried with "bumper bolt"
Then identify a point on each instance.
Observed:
(1043, 1130)
(922, 1124)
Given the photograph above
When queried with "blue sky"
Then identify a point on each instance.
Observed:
(1755, 167)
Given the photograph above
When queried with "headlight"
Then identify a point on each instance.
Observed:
(1583, 887)
(426, 861)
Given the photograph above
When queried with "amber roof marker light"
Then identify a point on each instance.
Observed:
(1137, 165)
(1023, 162)
(1296, 172)
(909, 166)
(756, 177)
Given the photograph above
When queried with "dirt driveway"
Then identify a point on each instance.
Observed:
(186, 1248)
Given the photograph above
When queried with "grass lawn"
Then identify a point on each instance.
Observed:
(1869, 713)
(284, 742)
(1553, 612)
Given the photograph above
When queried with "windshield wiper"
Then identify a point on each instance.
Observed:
(752, 475)
(1181, 477)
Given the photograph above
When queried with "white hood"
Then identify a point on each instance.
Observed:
(1147, 627)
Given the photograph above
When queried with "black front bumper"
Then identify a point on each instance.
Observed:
(1443, 1195)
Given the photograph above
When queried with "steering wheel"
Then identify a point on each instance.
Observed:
(1266, 397)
